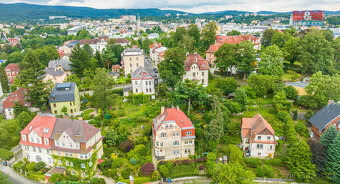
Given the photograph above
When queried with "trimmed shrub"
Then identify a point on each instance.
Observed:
(147, 169)
(39, 166)
(264, 171)
(126, 145)
(133, 161)
(125, 174)
(253, 162)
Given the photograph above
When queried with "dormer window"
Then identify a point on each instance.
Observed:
(188, 133)
(30, 128)
(46, 130)
(259, 137)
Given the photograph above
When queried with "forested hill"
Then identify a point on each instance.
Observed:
(22, 11)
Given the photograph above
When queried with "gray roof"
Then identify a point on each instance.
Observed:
(145, 72)
(299, 84)
(78, 130)
(324, 116)
(53, 72)
(61, 94)
(65, 64)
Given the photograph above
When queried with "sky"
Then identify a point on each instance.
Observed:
(197, 6)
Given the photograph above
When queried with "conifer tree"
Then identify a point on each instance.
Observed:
(328, 137)
(333, 164)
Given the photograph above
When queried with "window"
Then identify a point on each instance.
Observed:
(259, 146)
(188, 133)
(271, 147)
(71, 145)
(202, 73)
(46, 130)
(175, 152)
(71, 164)
(175, 143)
(146, 82)
(137, 63)
(259, 154)
(27, 156)
(83, 166)
(66, 154)
(57, 143)
(90, 163)
(137, 60)
(46, 141)
(193, 74)
(70, 103)
(72, 172)
(33, 148)
(63, 144)
(163, 134)
(161, 143)
(58, 152)
(24, 137)
(81, 156)
(157, 144)
(177, 134)
(149, 82)
(259, 137)
(55, 112)
(268, 137)
(39, 150)
(166, 126)
(30, 128)
(71, 111)
(48, 151)
(130, 63)
(59, 162)
(135, 82)
(67, 163)
(70, 154)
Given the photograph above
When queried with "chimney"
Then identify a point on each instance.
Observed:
(162, 109)
(187, 53)
(177, 108)
(195, 53)
(330, 102)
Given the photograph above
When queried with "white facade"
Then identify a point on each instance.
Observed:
(9, 113)
(132, 59)
(260, 149)
(196, 74)
(146, 86)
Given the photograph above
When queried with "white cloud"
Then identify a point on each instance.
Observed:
(198, 6)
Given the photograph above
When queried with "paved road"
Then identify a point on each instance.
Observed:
(119, 87)
(14, 176)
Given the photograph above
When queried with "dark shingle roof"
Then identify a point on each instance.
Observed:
(322, 118)
(65, 64)
(58, 95)
(53, 72)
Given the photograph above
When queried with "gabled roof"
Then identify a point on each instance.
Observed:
(16, 96)
(122, 41)
(202, 63)
(173, 114)
(140, 73)
(53, 71)
(255, 125)
(325, 116)
(65, 64)
(77, 130)
(214, 48)
(39, 124)
(13, 67)
(88, 41)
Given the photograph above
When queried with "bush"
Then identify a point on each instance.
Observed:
(125, 174)
(116, 163)
(126, 145)
(264, 171)
(30, 166)
(97, 181)
(302, 129)
(39, 166)
(107, 116)
(253, 162)
(147, 169)
(133, 161)
(5, 154)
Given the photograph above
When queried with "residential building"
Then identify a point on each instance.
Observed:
(196, 68)
(144, 79)
(173, 135)
(12, 71)
(221, 39)
(61, 64)
(54, 74)
(97, 44)
(60, 142)
(65, 95)
(327, 116)
(132, 58)
(74, 30)
(115, 68)
(122, 41)
(14, 41)
(9, 103)
(258, 137)
(157, 51)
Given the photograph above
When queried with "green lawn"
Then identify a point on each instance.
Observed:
(184, 170)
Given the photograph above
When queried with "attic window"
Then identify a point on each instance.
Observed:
(46, 130)
(53, 98)
(202, 65)
(30, 128)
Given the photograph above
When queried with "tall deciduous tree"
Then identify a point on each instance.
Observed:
(194, 32)
(316, 53)
(267, 37)
(333, 163)
(271, 61)
(102, 86)
(291, 50)
(226, 57)
(171, 69)
(324, 86)
(232, 173)
(298, 160)
(4, 80)
(191, 92)
(215, 128)
(208, 36)
(247, 57)
(30, 78)
(211, 163)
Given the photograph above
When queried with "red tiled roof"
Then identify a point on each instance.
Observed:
(115, 66)
(236, 39)
(202, 63)
(13, 67)
(214, 48)
(155, 45)
(88, 41)
(255, 125)
(39, 123)
(121, 40)
(16, 96)
(172, 114)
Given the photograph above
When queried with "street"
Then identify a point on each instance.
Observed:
(14, 176)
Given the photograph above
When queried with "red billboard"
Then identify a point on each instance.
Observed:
(314, 15)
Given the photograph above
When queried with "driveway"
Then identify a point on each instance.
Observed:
(14, 176)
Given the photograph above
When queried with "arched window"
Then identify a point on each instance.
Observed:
(175, 143)
(163, 134)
